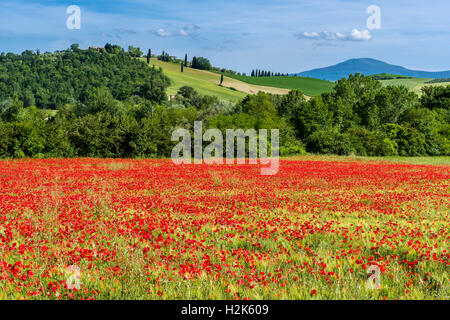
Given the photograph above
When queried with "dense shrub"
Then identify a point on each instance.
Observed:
(329, 142)
(369, 143)
(410, 142)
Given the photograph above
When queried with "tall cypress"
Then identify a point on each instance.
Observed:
(185, 60)
(149, 55)
(221, 78)
(182, 67)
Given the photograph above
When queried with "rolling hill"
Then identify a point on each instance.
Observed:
(368, 67)
(309, 86)
(236, 87)
(207, 83)
(413, 84)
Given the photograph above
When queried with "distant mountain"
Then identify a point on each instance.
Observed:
(368, 67)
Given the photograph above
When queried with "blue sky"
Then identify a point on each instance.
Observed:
(278, 35)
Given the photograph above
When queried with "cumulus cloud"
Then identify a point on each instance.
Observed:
(354, 35)
(161, 33)
(189, 30)
(363, 35)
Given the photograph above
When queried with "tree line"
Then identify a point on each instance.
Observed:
(116, 106)
(261, 73)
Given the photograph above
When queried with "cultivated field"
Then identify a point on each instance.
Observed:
(309, 86)
(145, 229)
(414, 84)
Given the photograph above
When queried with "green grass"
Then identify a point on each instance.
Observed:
(205, 83)
(309, 86)
(411, 84)
(436, 161)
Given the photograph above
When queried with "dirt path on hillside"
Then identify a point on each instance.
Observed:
(251, 88)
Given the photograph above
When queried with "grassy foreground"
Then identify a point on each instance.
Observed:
(322, 228)
(437, 161)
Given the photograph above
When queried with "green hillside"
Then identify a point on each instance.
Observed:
(235, 87)
(309, 86)
(204, 82)
(413, 84)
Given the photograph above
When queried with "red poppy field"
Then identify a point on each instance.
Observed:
(146, 229)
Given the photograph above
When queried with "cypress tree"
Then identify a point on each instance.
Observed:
(221, 79)
(185, 60)
(149, 55)
(182, 67)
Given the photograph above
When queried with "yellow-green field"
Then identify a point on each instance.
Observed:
(208, 83)
(414, 84)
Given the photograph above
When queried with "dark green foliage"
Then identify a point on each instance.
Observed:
(329, 142)
(113, 49)
(259, 106)
(135, 52)
(410, 142)
(201, 63)
(436, 97)
(50, 80)
(438, 80)
(149, 55)
(165, 57)
(360, 116)
(371, 143)
(110, 104)
(189, 97)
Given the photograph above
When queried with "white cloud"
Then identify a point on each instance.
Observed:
(363, 35)
(354, 35)
(162, 33)
(189, 30)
